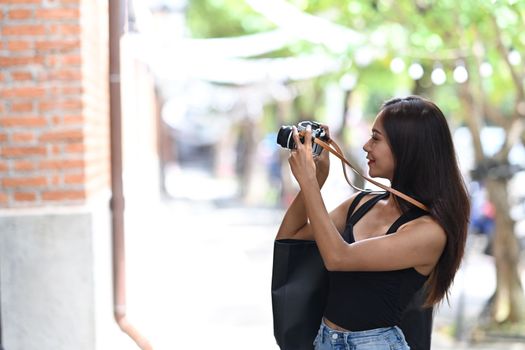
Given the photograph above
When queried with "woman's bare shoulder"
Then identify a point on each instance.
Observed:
(426, 227)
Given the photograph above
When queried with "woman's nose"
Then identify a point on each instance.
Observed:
(365, 147)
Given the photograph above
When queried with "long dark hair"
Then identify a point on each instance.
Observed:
(426, 168)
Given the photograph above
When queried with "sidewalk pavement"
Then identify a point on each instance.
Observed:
(199, 277)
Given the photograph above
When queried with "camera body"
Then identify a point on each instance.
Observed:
(285, 136)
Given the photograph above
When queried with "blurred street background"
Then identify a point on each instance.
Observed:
(141, 185)
(201, 269)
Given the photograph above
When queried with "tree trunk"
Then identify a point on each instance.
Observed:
(358, 181)
(508, 304)
(246, 149)
(288, 189)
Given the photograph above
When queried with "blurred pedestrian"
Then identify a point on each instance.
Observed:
(483, 212)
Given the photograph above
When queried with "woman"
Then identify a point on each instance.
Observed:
(393, 248)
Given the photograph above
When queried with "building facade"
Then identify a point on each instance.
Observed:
(55, 169)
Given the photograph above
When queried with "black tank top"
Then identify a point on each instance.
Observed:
(361, 300)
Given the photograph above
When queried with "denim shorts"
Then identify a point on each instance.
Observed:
(388, 338)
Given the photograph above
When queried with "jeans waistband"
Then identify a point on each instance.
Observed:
(356, 334)
(389, 335)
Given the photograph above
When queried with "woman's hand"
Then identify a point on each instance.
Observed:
(304, 165)
(322, 162)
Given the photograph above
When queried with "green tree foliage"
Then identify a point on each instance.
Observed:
(224, 18)
(486, 37)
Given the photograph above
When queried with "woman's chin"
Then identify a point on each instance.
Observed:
(377, 175)
(373, 174)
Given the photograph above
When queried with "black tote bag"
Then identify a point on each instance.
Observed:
(299, 291)
(416, 322)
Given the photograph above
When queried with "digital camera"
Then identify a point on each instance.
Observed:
(285, 136)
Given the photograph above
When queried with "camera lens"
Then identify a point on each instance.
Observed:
(284, 137)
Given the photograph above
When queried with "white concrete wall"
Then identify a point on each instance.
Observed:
(55, 280)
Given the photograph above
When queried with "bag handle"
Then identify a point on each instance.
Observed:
(334, 148)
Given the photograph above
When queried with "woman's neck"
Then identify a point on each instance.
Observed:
(391, 205)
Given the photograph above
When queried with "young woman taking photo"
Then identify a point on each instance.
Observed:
(394, 248)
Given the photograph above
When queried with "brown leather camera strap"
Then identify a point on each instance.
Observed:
(334, 148)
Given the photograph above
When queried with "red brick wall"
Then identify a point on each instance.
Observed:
(54, 141)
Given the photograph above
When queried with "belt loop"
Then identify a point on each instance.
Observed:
(347, 341)
(399, 333)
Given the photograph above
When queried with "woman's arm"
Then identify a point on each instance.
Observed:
(295, 221)
(296, 216)
(416, 244)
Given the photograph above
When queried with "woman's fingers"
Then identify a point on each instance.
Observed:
(304, 164)
(326, 129)
(307, 138)
(296, 138)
